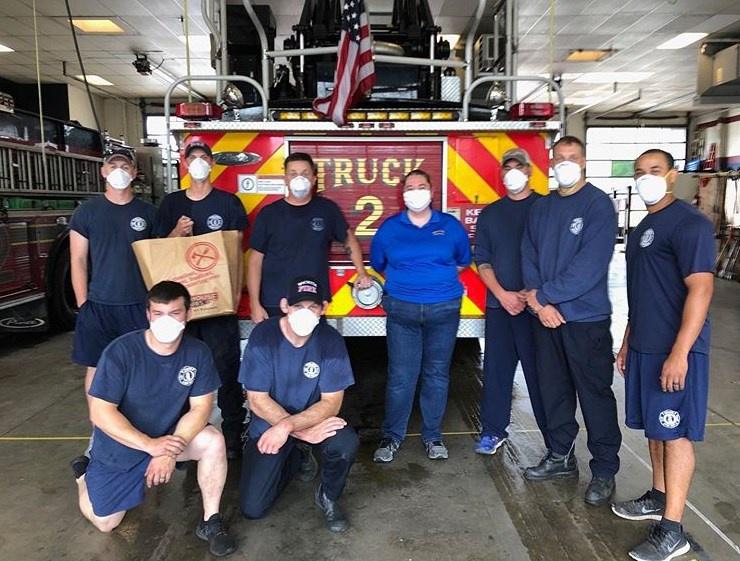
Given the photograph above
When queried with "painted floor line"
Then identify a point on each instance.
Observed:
(695, 510)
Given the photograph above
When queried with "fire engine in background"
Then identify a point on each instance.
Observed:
(40, 186)
(411, 121)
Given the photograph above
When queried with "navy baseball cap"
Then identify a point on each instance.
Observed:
(305, 288)
(200, 146)
(119, 153)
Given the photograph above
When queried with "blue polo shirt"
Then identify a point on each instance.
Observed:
(567, 246)
(498, 242)
(665, 248)
(150, 390)
(110, 230)
(218, 210)
(420, 264)
(295, 377)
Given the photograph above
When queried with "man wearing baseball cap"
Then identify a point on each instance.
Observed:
(295, 371)
(106, 280)
(202, 209)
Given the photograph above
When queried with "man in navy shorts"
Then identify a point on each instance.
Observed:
(150, 401)
(105, 275)
(665, 354)
(202, 209)
(295, 371)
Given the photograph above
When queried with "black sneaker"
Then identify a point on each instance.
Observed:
(553, 466)
(386, 451)
(309, 466)
(220, 543)
(79, 466)
(336, 521)
(599, 490)
(642, 508)
(662, 545)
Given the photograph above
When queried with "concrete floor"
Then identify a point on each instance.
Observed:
(468, 508)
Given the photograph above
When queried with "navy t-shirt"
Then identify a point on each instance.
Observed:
(567, 246)
(498, 242)
(295, 377)
(295, 240)
(219, 210)
(110, 230)
(664, 249)
(151, 390)
(420, 264)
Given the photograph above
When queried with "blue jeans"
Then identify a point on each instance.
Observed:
(421, 339)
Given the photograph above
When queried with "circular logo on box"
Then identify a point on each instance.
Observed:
(186, 376)
(138, 224)
(647, 237)
(202, 256)
(669, 418)
(215, 222)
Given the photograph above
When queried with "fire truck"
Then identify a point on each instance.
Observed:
(410, 121)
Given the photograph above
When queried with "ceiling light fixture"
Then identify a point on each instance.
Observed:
(97, 26)
(681, 41)
(588, 55)
(95, 80)
(6, 49)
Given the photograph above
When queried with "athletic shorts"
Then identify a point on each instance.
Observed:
(99, 324)
(666, 415)
(115, 490)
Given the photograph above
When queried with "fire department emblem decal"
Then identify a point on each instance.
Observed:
(317, 224)
(215, 222)
(311, 370)
(669, 418)
(647, 237)
(138, 224)
(186, 375)
(576, 226)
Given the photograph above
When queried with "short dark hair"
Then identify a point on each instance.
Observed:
(165, 292)
(300, 157)
(657, 151)
(570, 140)
(417, 171)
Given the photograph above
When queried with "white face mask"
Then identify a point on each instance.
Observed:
(303, 322)
(166, 329)
(515, 181)
(199, 169)
(567, 174)
(417, 200)
(119, 179)
(299, 186)
(651, 188)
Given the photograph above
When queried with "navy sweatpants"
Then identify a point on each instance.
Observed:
(576, 359)
(509, 340)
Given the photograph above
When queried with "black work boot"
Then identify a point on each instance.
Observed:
(599, 490)
(234, 445)
(553, 466)
(336, 521)
(309, 466)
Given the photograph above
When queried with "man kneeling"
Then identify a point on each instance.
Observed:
(295, 370)
(144, 381)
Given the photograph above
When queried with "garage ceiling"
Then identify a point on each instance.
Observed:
(634, 28)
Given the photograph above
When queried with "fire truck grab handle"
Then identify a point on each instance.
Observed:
(231, 78)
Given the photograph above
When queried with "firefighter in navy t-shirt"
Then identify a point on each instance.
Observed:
(105, 275)
(665, 354)
(202, 209)
(292, 236)
(295, 371)
(150, 401)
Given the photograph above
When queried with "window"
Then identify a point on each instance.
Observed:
(156, 130)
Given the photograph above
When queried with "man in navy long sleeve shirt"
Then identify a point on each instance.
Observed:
(566, 250)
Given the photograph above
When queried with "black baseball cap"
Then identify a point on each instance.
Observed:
(305, 288)
(119, 153)
(200, 146)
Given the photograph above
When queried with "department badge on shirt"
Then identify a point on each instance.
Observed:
(317, 224)
(186, 376)
(576, 226)
(647, 237)
(311, 370)
(138, 224)
(215, 222)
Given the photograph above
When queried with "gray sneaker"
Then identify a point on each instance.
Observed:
(642, 508)
(386, 451)
(436, 450)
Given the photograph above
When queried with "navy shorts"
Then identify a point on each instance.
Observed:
(99, 324)
(666, 415)
(114, 490)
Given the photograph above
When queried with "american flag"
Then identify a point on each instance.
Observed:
(355, 74)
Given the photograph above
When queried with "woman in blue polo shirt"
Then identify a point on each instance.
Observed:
(421, 252)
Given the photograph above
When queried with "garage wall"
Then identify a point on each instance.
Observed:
(122, 119)
(721, 130)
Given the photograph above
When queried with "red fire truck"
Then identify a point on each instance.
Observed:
(40, 185)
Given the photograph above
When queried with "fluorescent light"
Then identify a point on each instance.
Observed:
(198, 43)
(611, 77)
(97, 26)
(586, 55)
(95, 80)
(6, 49)
(681, 41)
